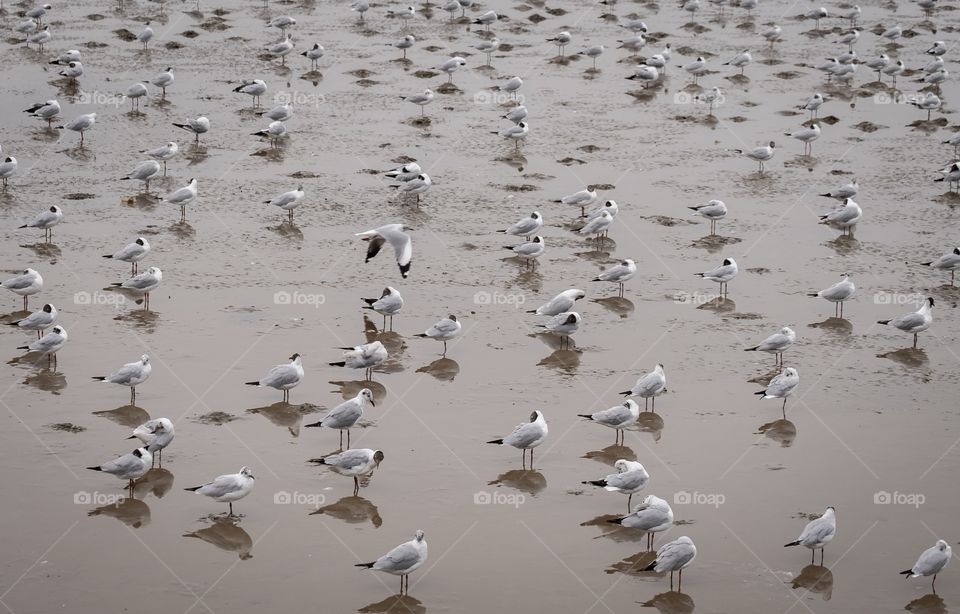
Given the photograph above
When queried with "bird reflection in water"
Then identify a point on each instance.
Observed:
(227, 535)
(815, 579)
(719, 304)
(782, 431)
(47, 381)
(131, 512)
(157, 481)
(908, 357)
(397, 604)
(617, 305)
(633, 565)
(671, 603)
(838, 326)
(443, 369)
(285, 415)
(928, 604)
(650, 422)
(350, 389)
(524, 480)
(611, 454)
(129, 416)
(352, 510)
(616, 533)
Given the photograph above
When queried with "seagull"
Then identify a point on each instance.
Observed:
(128, 467)
(813, 104)
(853, 15)
(929, 102)
(488, 47)
(420, 184)
(892, 34)
(155, 435)
(781, 387)
(143, 284)
(561, 303)
(452, 6)
(183, 197)
(563, 324)
(163, 81)
(486, 19)
(931, 562)
(316, 52)
(197, 126)
(38, 12)
(526, 436)
(674, 556)
(516, 133)
(7, 168)
(776, 344)
(398, 239)
(40, 38)
(365, 357)
(839, 293)
(634, 43)
(353, 463)
(131, 374)
(47, 111)
(817, 534)
(279, 113)
(526, 227)
(646, 73)
(444, 330)
(951, 174)
(947, 262)
(939, 48)
(135, 92)
(596, 226)
(145, 35)
(844, 217)
(71, 55)
(360, 7)
(38, 321)
(402, 560)
(759, 154)
(420, 100)
(404, 14)
(345, 415)
(652, 515)
(81, 124)
(583, 199)
(817, 15)
(49, 344)
(914, 322)
(713, 210)
(878, 63)
(404, 43)
(696, 68)
(145, 171)
(648, 386)
(254, 88)
(274, 132)
(622, 272)
(288, 201)
(163, 153)
(227, 488)
(283, 377)
(772, 34)
(740, 60)
(848, 190)
(617, 418)
(46, 220)
(593, 52)
(806, 136)
(722, 274)
(849, 38)
(407, 172)
(630, 477)
(609, 206)
(389, 304)
(25, 284)
(450, 66)
(280, 49)
(561, 40)
(528, 252)
(282, 22)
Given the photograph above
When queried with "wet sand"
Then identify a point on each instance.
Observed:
(869, 416)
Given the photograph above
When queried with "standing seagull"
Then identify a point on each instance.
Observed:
(776, 344)
(420, 100)
(526, 227)
(649, 386)
(143, 284)
(618, 418)
(283, 377)
(564, 325)
(227, 488)
(345, 415)
(49, 344)
(582, 199)
(444, 330)
(629, 479)
(844, 217)
(46, 220)
(132, 253)
(914, 322)
(674, 556)
(156, 435)
(947, 262)
(389, 304)
(713, 210)
(7, 168)
(395, 235)
(163, 153)
(129, 466)
(759, 154)
(198, 126)
(365, 357)
(25, 284)
(255, 88)
(838, 293)
(353, 463)
(722, 274)
(131, 374)
(163, 81)
(526, 436)
(618, 274)
(561, 303)
(402, 560)
(38, 321)
(781, 387)
(183, 197)
(529, 251)
(817, 534)
(145, 171)
(931, 562)
(652, 515)
(288, 201)
(145, 35)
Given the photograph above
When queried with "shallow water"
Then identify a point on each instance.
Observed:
(869, 416)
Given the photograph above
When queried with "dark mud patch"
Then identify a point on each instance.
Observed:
(307, 175)
(715, 241)
(524, 187)
(362, 73)
(592, 148)
(190, 34)
(759, 270)
(79, 196)
(172, 45)
(868, 127)
(216, 418)
(125, 35)
(67, 427)
(787, 75)
(667, 221)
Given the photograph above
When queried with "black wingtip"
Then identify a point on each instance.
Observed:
(319, 461)
(884, 322)
(99, 378)
(338, 364)
(420, 335)
(650, 567)
(23, 347)
(497, 441)
(313, 425)
(365, 565)
(813, 294)
(132, 437)
(252, 383)
(762, 392)
(587, 416)
(95, 468)
(109, 256)
(616, 521)
(193, 488)
(791, 544)
(753, 349)
(906, 573)
(600, 483)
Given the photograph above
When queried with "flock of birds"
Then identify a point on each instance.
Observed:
(653, 514)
